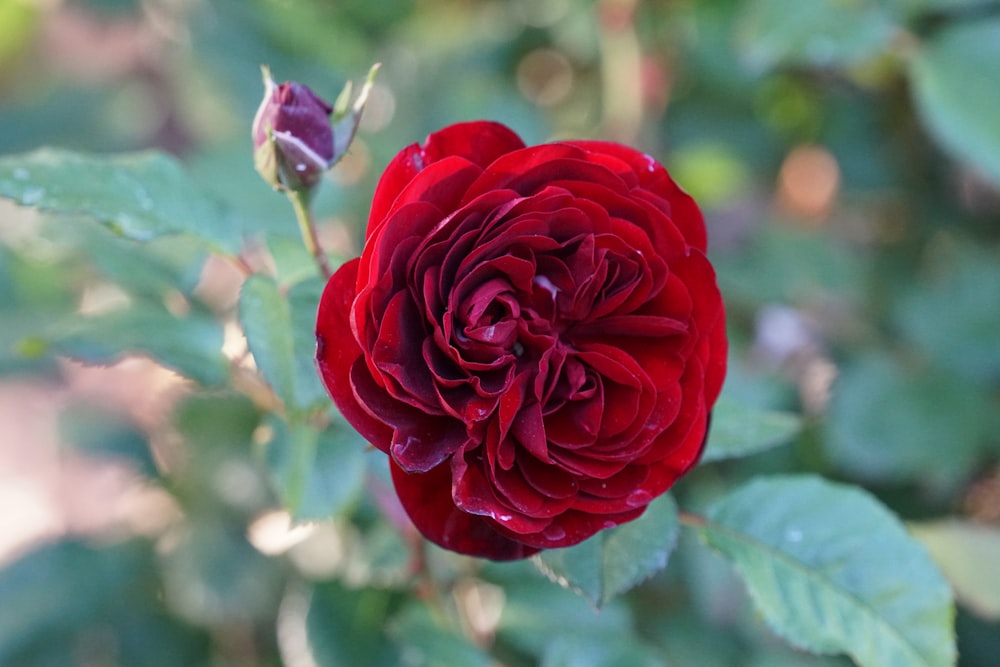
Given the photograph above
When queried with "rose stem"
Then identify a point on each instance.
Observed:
(300, 202)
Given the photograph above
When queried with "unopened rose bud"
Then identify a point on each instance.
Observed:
(292, 137)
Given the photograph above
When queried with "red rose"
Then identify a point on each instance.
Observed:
(532, 334)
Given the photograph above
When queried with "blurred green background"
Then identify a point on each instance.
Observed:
(846, 154)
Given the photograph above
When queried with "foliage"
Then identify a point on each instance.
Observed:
(845, 155)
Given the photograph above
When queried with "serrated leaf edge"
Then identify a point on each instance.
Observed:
(795, 564)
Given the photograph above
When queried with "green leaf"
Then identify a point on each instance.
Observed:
(64, 595)
(590, 651)
(534, 611)
(342, 626)
(150, 270)
(954, 8)
(888, 422)
(212, 571)
(785, 265)
(215, 426)
(155, 638)
(218, 431)
(190, 345)
(279, 330)
(266, 318)
(33, 294)
(738, 430)
(965, 340)
(303, 299)
(428, 642)
(52, 591)
(316, 474)
(690, 637)
(955, 77)
(96, 431)
(614, 560)
(824, 33)
(777, 656)
(139, 195)
(292, 261)
(833, 571)
(968, 554)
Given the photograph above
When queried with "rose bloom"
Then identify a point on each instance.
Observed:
(532, 334)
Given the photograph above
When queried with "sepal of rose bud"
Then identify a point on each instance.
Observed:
(347, 115)
(293, 140)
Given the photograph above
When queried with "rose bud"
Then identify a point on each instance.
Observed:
(292, 137)
(532, 334)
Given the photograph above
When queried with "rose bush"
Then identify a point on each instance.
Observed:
(532, 334)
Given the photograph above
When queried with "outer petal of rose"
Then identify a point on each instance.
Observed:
(441, 184)
(337, 350)
(427, 499)
(654, 177)
(419, 440)
(715, 366)
(480, 142)
(530, 170)
(659, 477)
(574, 527)
(708, 314)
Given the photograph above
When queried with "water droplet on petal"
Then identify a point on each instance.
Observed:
(504, 517)
(639, 498)
(554, 533)
(546, 284)
(793, 535)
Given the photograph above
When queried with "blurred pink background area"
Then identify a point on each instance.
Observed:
(46, 489)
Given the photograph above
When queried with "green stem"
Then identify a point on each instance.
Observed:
(300, 202)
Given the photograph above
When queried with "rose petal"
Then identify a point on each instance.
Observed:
(399, 341)
(584, 466)
(525, 498)
(681, 442)
(426, 497)
(577, 424)
(441, 183)
(573, 527)
(480, 142)
(385, 261)
(715, 367)
(654, 178)
(548, 479)
(337, 350)
(529, 429)
(418, 441)
(473, 492)
(538, 169)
